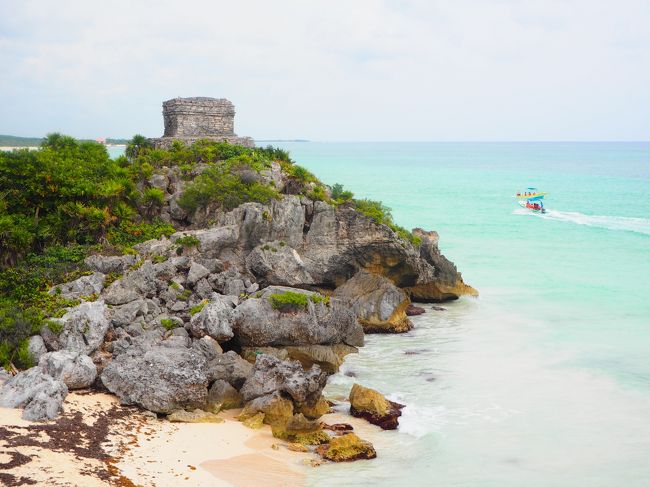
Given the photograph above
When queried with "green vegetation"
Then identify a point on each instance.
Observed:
(188, 241)
(168, 324)
(340, 195)
(13, 141)
(197, 309)
(319, 298)
(289, 301)
(185, 295)
(382, 214)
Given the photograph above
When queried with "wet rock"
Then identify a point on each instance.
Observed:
(379, 305)
(160, 380)
(414, 310)
(39, 394)
(273, 375)
(196, 416)
(438, 308)
(347, 448)
(338, 427)
(301, 430)
(371, 405)
(317, 410)
(74, 369)
(229, 367)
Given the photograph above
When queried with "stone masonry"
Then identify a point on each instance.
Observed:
(192, 119)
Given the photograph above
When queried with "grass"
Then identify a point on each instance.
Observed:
(289, 301)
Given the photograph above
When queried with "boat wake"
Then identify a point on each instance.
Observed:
(623, 223)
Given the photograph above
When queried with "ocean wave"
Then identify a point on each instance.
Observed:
(622, 223)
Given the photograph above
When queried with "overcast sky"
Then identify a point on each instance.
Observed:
(332, 70)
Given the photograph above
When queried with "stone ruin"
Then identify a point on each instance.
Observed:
(192, 119)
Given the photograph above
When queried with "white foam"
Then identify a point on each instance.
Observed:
(623, 223)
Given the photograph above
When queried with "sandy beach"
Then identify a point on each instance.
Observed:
(98, 442)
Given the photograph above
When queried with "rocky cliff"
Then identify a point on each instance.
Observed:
(251, 306)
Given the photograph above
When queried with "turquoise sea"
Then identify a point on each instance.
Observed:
(544, 380)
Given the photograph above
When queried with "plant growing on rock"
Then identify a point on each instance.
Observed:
(188, 241)
(289, 301)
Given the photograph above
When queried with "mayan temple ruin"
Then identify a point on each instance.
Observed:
(192, 119)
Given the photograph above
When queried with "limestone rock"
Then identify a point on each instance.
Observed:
(84, 286)
(110, 264)
(36, 347)
(371, 405)
(256, 421)
(208, 347)
(446, 282)
(256, 323)
(224, 395)
(275, 263)
(126, 314)
(347, 448)
(196, 416)
(84, 328)
(277, 410)
(414, 310)
(196, 272)
(74, 369)
(317, 410)
(273, 375)
(160, 380)
(229, 367)
(379, 305)
(39, 394)
(214, 320)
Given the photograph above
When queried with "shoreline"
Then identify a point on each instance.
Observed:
(127, 446)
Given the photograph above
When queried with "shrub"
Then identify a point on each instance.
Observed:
(188, 241)
(185, 295)
(340, 195)
(154, 197)
(197, 309)
(289, 301)
(168, 324)
(319, 298)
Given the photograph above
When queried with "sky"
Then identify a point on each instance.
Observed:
(334, 70)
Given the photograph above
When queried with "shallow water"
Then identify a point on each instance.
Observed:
(545, 379)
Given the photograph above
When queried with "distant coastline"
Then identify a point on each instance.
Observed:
(8, 142)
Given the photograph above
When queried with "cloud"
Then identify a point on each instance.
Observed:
(332, 70)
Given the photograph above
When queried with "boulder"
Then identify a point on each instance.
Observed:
(36, 347)
(222, 396)
(196, 416)
(229, 367)
(347, 448)
(275, 263)
(110, 264)
(4, 377)
(39, 394)
(84, 328)
(328, 357)
(414, 310)
(256, 323)
(371, 405)
(74, 369)
(300, 430)
(379, 305)
(208, 347)
(273, 375)
(160, 380)
(84, 286)
(196, 273)
(277, 410)
(127, 313)
(214, 320)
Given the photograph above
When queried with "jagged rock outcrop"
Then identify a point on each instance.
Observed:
(347, 448)
(162, 380)
(379, 305)
(214, 320)
(271, 374)
(75, 369)
(84, 286)
(256, 323)
(371, 405)
(39, 394)
(84, 328)
(229, 367)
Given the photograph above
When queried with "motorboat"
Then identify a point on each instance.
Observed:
(531, 199)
